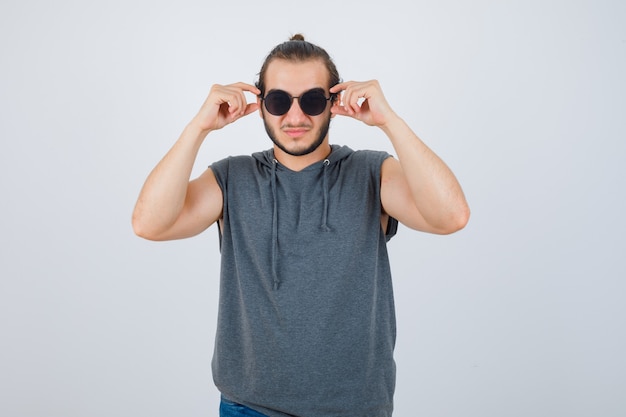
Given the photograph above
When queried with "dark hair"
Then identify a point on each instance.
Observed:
(297, 49)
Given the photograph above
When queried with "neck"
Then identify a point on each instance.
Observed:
(298, 163)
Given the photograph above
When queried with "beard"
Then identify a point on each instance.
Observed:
(321, 135)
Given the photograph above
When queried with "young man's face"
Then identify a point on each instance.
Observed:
(295, 132)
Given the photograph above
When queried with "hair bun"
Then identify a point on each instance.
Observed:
(297, 37)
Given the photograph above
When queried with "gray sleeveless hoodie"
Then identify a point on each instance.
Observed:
(306, 323)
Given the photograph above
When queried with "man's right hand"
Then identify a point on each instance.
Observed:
(169, 205)
(224, 105)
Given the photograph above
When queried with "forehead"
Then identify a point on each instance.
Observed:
(296, 76)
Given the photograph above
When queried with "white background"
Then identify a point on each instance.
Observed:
(520, 314)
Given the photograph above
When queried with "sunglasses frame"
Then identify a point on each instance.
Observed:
(332, 98)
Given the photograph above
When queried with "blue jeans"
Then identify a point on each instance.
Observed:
(231, 409)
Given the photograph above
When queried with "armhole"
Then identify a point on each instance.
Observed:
(219, 231)
(392, 228)
(392, 224)
(217, 172)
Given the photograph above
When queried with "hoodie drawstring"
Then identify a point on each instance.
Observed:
(275, 229)
(324, 225)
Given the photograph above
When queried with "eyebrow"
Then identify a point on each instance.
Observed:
(306, 91)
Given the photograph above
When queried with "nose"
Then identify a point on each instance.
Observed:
(295, 113)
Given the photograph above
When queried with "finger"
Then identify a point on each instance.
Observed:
(351, 99)
(360, 98)
(241, 88)
(353, 92)
(251, 108)
(236, 100)
(247, 87)
(340, 87)
(247, 109)
(234, 105)
(240, 103)
(342, 111)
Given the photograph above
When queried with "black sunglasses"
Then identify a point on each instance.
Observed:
(312, 102)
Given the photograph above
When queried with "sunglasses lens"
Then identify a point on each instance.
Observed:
(313, 102)
(277, 103)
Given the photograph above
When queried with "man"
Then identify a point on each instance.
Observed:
(306, 322)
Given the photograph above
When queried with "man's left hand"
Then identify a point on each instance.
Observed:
(363, 101)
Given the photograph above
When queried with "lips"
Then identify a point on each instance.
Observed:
(295, 132)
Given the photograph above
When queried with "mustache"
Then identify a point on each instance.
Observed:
(298, 126)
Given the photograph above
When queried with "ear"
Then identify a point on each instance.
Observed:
(334, 103)
(259, 102)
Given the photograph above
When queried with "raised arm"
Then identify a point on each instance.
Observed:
(418, 189)
(169, 205)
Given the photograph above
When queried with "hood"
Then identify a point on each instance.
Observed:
(337, 154)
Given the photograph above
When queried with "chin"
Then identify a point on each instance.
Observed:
(299, 148)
